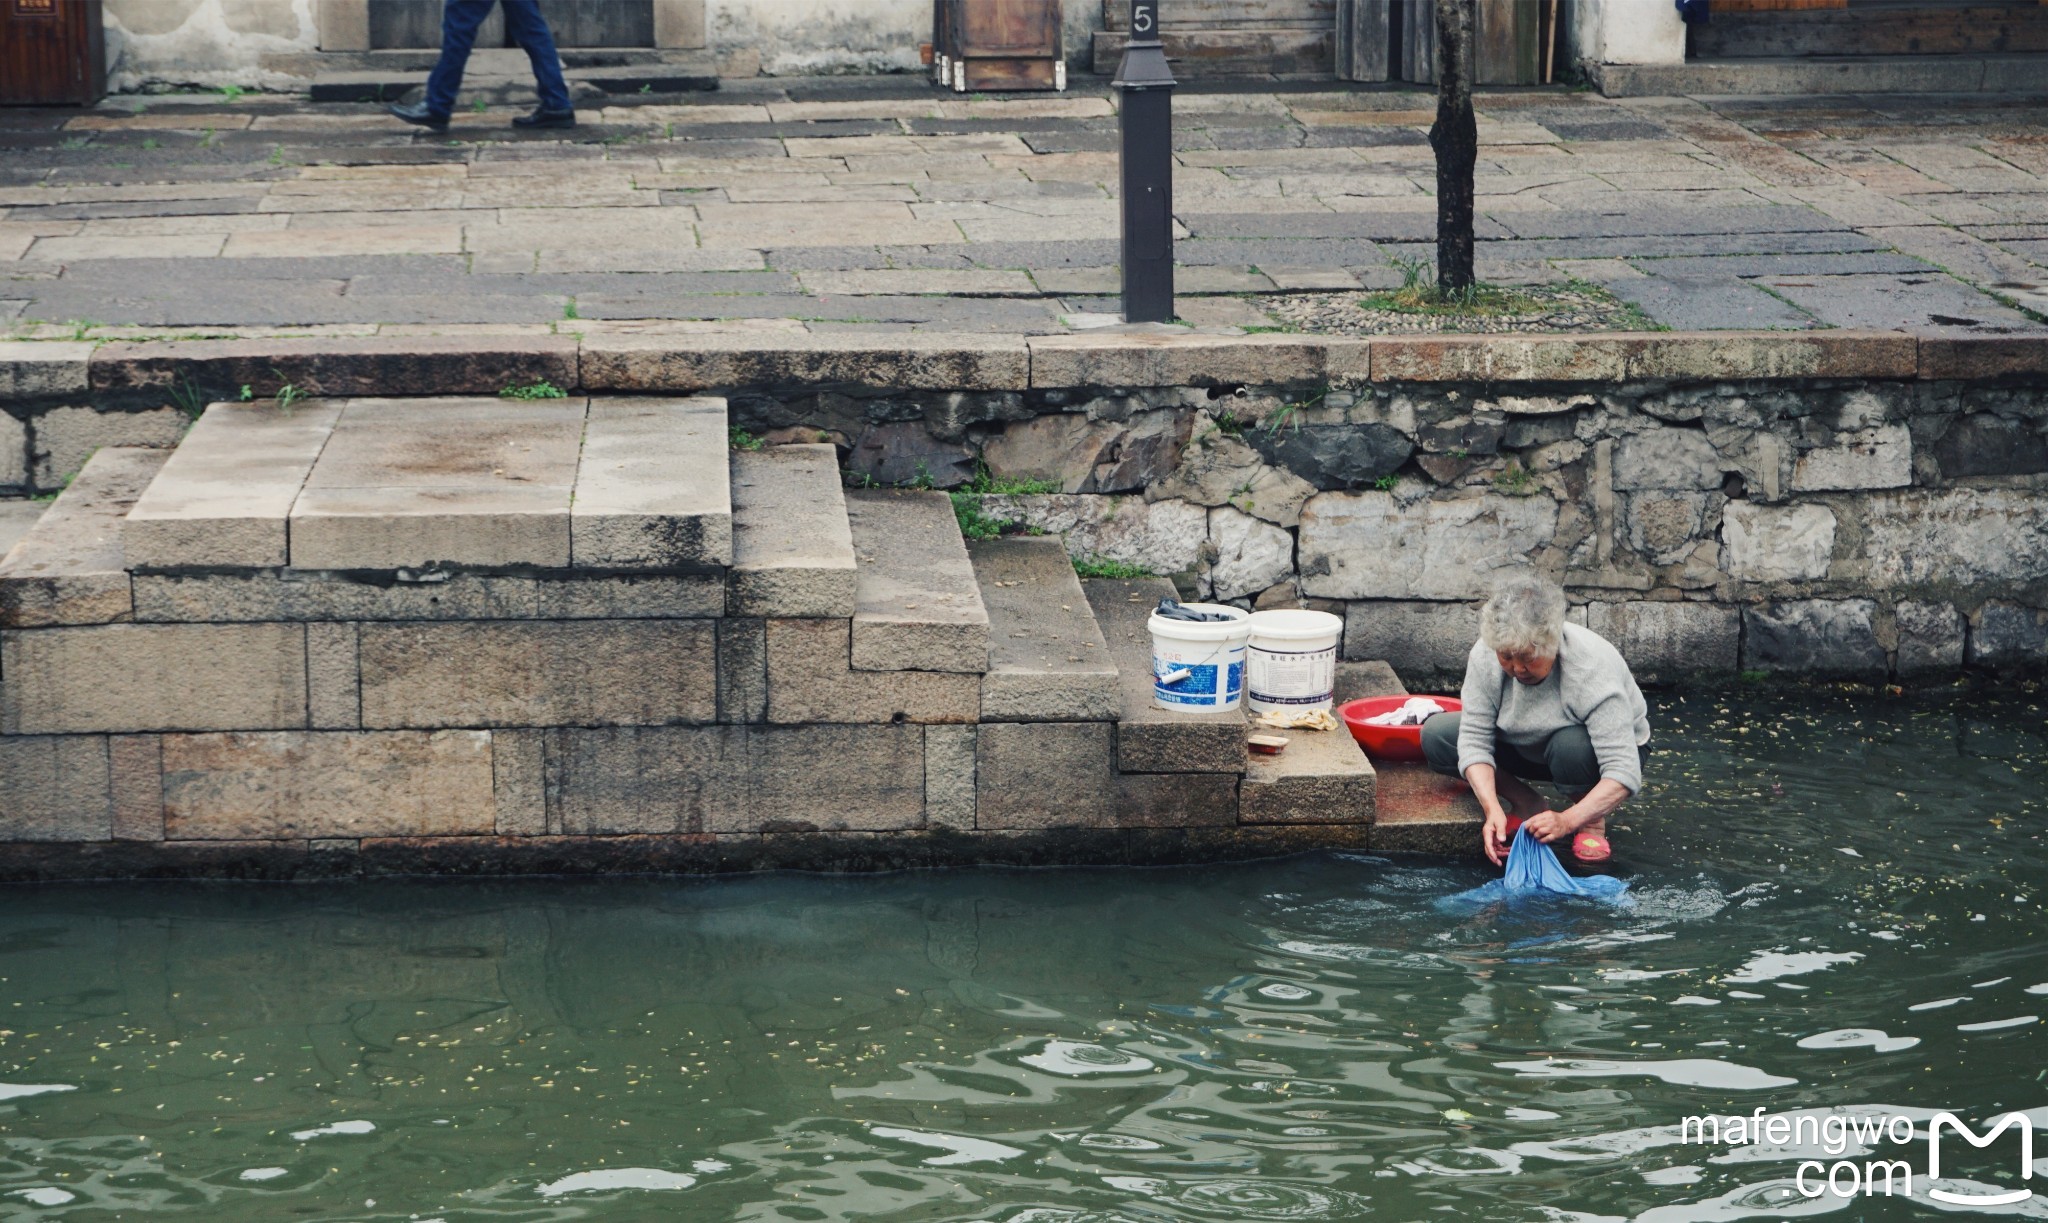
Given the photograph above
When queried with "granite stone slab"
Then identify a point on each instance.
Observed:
(792, 547)
(917, 606)
(225, 495)
(456, 482)
(653, 489)
(1047, 659)
(69, 569)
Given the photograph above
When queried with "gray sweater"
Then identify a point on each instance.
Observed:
(1590, 686)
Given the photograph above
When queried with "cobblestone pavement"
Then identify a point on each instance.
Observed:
(883, 204)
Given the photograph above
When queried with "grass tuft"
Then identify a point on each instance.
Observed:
(542, 389)
(988, 484)
(974, 523)
(1102, 567)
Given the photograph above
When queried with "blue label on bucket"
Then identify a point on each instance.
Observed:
(1196, 685)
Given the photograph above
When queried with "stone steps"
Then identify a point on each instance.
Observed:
(1047, 659)
(1322, 778)
(448, 483)
(485, 630)
(1151, 739)
(68, 568)
(1414, 809)
(224, 497)
(917, 606)
(17, 518)
(792, 547)
(458, 483)
(653, 486)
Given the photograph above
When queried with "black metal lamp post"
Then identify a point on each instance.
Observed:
(1147, 169)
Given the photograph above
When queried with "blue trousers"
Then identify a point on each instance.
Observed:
(459, 22)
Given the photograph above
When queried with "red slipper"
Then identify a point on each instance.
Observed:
(1591, 847)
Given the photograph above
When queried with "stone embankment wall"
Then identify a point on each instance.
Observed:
(1858, 529)
(1855, 505)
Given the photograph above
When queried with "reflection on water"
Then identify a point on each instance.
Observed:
(1308, 1039)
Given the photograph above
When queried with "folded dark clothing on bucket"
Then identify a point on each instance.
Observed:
(1172, 610)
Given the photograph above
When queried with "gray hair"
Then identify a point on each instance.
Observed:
(1525, 615)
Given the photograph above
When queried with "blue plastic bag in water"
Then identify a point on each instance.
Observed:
(1533, 870)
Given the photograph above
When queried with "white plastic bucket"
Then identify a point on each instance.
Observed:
(1198, 666)
(1293, 660)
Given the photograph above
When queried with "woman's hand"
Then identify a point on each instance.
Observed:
(1552, 825)
(1493, 836)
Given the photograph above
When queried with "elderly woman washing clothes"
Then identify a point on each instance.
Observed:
(1545, 701)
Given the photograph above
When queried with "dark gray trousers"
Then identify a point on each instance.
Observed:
(1566, 757)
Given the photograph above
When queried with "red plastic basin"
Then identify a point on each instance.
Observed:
(1389, 742)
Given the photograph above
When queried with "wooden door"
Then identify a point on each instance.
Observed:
(1230, 37)
(52, 53)
(415, 25)
(600, 23)
(1008, 44)
(1364, 31)
(1507, 42)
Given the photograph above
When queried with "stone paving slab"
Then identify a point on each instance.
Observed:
(917, 606)
(225, 495)
(1709, 302)
(116, 214)
(68, 566)
(1047, 659)
(475, 483)
(1925, 303)
(653, 489)
(792, 548)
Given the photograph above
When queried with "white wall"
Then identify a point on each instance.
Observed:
(1629, 31)
(204, 42)
(819, 36)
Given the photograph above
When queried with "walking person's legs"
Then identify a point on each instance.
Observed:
(459, 22)
(523, 20)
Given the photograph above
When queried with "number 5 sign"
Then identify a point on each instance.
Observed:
(1144, 18)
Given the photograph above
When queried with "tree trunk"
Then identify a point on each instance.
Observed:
(1455, 137)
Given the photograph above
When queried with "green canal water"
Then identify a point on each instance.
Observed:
(1837, 910)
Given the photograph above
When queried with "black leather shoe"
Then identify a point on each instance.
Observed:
(417, 113)
(545, 118)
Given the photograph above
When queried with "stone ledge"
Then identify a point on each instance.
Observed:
(412, 365)
(1967, 357)
(1152, 358)
(49, 370)
(678, 854)
(916, 360)
(1618, 356)
(31, 369)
